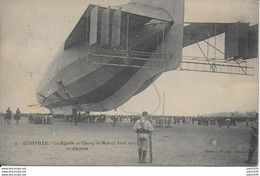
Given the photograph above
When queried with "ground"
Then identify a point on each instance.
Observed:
(63, 143)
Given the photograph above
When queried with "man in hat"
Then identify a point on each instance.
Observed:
(143, 128)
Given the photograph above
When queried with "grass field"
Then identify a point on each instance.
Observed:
(62, 143)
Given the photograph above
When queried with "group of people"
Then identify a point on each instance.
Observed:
(144, 128)
(32, 118)
(16, 117)
(40, 118)
(86, 118)
(170, 121)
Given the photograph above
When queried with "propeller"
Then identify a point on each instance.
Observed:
(34, 105)
(45, 98)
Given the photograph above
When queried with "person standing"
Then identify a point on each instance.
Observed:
(8, 116)
(228, 122)
(75, 116)
(30, 118)
(17, 116)
(115, 119)
(143, 128)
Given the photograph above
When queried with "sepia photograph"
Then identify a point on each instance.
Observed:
(129, 83)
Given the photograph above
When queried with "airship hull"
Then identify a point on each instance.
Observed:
(100, 77)
(92, 87)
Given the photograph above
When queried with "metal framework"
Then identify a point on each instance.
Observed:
(135, 59)
(236, 66)
(215, 66)
(124, 58)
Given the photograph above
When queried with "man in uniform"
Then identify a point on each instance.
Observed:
(143, 128)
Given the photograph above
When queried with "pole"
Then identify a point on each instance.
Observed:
(215, 55)
(163, 43)
(163, 109)
(127, 32)
(163, 103)
(151, 148)
(87, 38)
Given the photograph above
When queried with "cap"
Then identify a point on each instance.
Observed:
(144, 113)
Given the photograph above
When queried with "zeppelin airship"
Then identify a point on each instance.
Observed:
(114, 53)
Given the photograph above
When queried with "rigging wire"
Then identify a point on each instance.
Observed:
(157, 108)
(129, 112)
(159, 96)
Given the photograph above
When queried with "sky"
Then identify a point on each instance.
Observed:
(32, 31)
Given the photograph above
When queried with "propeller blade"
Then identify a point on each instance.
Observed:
(33, 105)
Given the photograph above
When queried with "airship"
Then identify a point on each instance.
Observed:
(114, 53)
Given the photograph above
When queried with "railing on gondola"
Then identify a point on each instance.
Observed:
(213, 65)
(137, 59)
(125, 58)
